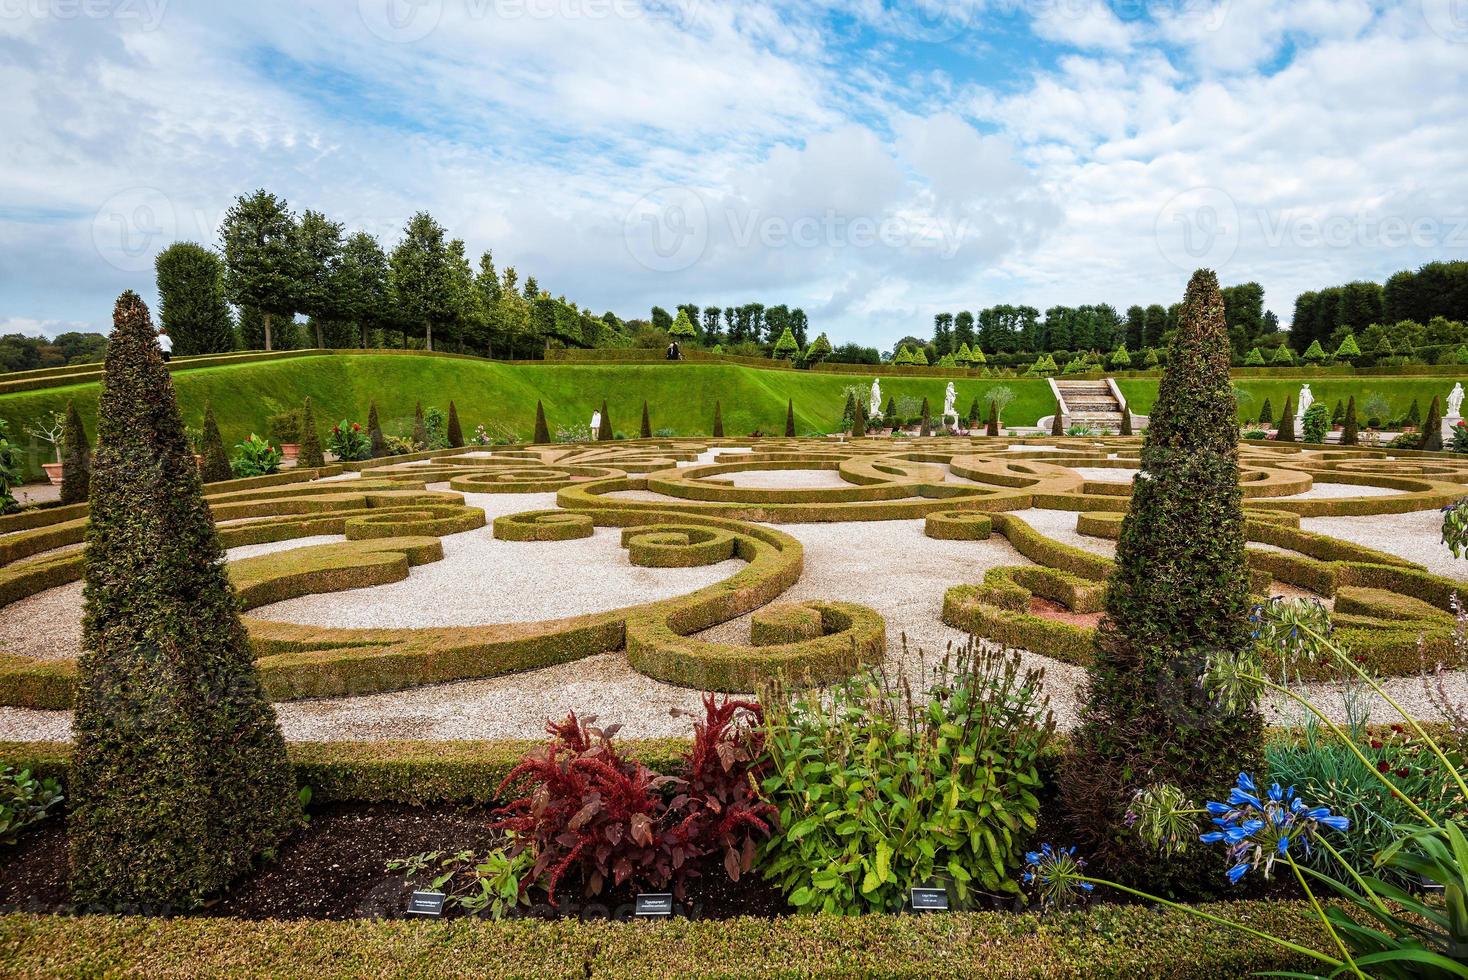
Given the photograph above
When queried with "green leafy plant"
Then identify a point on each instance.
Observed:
(881, 789)
(255, 457)
(285, 426)
(491, 883)
(348, 441)
(436, 426)
(24, 801)
(9, 471)
(1316, 423)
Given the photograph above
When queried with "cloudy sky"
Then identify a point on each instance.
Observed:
(870, 160)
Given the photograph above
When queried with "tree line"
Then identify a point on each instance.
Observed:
(1412, 309)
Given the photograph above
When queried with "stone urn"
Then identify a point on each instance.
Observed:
(53, 473)
(290, 450)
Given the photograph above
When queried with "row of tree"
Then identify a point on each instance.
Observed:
(1438, 291)
(752, 323)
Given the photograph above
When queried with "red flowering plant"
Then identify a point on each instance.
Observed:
(348, 441)
(586, 809)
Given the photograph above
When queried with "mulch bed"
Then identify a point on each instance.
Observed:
(335, 868)
(1046, 609)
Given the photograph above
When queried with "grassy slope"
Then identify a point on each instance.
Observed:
(681, 397)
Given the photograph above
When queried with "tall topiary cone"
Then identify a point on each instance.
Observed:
(374, 433)
(646, 431)
(1432, 427)
(927, 426)
(1180, 591)
(790, 419)
(605, 431)
(1350, 428)
(718, 421)
(454, 432)
(1057, 422)
(1126, 420)
(420, 428)
(310, 455)
(542, 431)
(992, 429)
(76, 459)
(1286, 431)
(859, 424)
(179, 779)
(215, 466)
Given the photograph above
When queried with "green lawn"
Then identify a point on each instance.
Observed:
(681, 397)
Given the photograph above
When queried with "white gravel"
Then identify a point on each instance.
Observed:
(1106, 474)
(1415, 536)
(1332, 491)
(788, 479)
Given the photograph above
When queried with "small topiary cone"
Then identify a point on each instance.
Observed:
(454, 432)
(1126, 420)
(215, 466)
(604, 431)
(992, 429)
(310, 456)
(1350, 429)
(374, 433)
(542, 431)
(790, 419)
(1057, 423)
(646, 422)
(1287, 422)
(718, 421)
(76, 459)
(927, 427)
(420, 429)
(1432, 427)
(859, 424)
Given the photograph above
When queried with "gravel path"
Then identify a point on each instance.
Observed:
(1332, 491)
(788, 479)
(1415, 536)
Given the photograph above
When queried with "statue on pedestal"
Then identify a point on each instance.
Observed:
(874, 410)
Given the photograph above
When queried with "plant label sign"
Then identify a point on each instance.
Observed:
(426, 903)
(659, 904)
(930, 900)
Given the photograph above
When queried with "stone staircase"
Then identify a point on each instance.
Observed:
(1091, 403)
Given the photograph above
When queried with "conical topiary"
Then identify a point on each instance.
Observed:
(993, 427)
(718, 421)
(1349, 427)
(891, 412)
(790, 419)
(420, 428)
(927, 427)
(859, 424)
(1266, 414)
(542, 431)
(1057, 422)
(374, 433)
(453, 431)
(604, 431)
(646, 431)
(310, 455)
(76, 459)
(215, 466)
(1126, 420)
(848, 412)
(1432, 427)
(1286, 431)
(179, 779)
(973, 413)
(1179, 594)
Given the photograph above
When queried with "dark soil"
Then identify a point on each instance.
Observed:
(336, 868)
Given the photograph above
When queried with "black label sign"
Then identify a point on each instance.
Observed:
(657, 904)
(426, 903)
(929, 900)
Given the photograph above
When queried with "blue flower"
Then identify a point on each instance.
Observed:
(1237, 872)
(1334, 822)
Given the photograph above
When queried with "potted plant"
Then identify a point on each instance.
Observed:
(50, 431)
(285, 428)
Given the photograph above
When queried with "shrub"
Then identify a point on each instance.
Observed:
(76, 459)
(1349, 350)
(1057, 422)
(1266, 414)
(9, 471)
(646, 431)
(1180, 590)
(1432, 427)
(718, 421)
(1314, 354)
(255, 457)
(179, 778)
(24, 801)
(1126, 420)
(1350, 433)
(1120, 358)
(1283, 357)
(790, 418)
(454, 433)
(348, 442)
(992, 428)
(881, 789)
(374, 433)
(310, 455)
(1254, 359)
(215, 466)
(605, 431)
(1338, 416)
(1316, 423)
(1287, 421)
(542, 431)
(285, 427)
(436, 427)
(926, 425)
(1414, 414)
(1152, 359)
(420, 428)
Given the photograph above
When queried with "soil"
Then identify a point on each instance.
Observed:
(336, 868)
(1046, 609)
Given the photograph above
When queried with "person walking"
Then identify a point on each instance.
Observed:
(165, 344)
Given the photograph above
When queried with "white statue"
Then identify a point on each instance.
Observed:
(874, 411)
(1306, 400)
(595, 425)
(1455, 401)
(949, 397)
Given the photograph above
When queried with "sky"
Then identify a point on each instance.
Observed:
(873, 162)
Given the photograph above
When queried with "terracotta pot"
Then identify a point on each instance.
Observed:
(53, 473)
(198, 460)
(290, 450)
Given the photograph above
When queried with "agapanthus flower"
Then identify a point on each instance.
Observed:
(1259, 829)
(1055, 875)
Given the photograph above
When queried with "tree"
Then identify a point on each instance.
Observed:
(1286, 432)
(420, 428)
(604, 431)
(1432, 427)
(819, 350)
(785, 346)
(1349, 427)
(1338, 416)
(718, 421)
(76, 459)
(848, 412)
(992, 429)
(374, 432)
(191, 303)
(859, 423)
(362, 285)
(790, 419)
(262, 258)
(1283, 357)
(1255, 358)
(1057, 422)
(320, 242)
(1314, 354)
(661, 320)
(420, 276)
(310, 455)
(179, 779)
(1266, 414)
(542, 431)
(927, 426)
(1349, 350)
(1120, 358)
(1316, 423)
(646, 431)
(683, 328)
(454, 431)
(1179, 593)
(1126, 420)
(215, 465)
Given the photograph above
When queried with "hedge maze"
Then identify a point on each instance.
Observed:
(675, 503)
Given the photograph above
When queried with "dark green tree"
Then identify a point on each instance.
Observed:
(992, 429)
(1126, 420)
(310, 455)
(1432, 427)
(191, 303)
(215, 466)
(1286, 431)
(646, 430)
(1349, 426)
(1414, 414)
(454, 431)
(420, 428)
(891, 412)
(1266, 414)
(718, 421)
(374, 432)
(790, 419)
(362, 286)
(605, 431)
(542, 431)
(1179, 595)
(76, 459)
(927, 426)
(420, 275)
(320, 242)
(1057, 422)
(973, 413)
(262, 259)
(859, 424)
(179, 779)
(1338, 416)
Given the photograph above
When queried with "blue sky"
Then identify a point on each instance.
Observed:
(873, 162)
